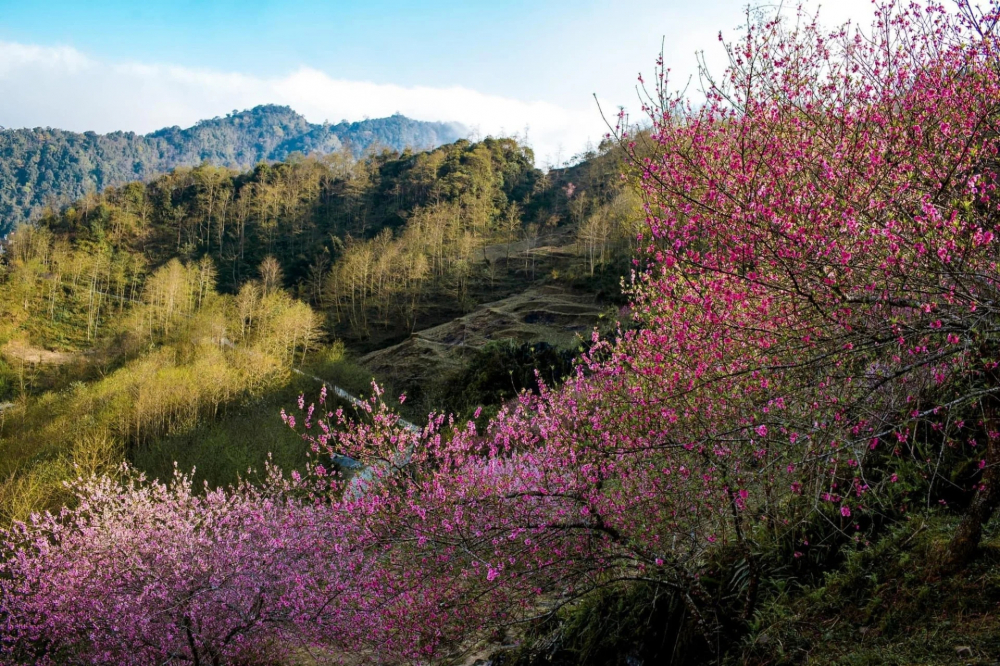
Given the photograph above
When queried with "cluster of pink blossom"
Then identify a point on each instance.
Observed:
(147, 573)
(816, 300)
(820, 285)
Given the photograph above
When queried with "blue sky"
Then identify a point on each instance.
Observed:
(499, 45)
(498, 66)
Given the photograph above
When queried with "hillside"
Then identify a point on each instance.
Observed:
(120, 304)
(43, 166)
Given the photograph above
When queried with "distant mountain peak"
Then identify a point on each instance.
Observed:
(46, 167)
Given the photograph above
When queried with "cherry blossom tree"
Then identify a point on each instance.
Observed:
(816, 315)
(822, 252)
(151, 573)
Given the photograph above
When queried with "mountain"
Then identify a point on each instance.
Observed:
(44, 166)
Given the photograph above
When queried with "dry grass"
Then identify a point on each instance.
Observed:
(17, 350)
(551, 314)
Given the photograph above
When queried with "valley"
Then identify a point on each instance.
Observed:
(168, 320)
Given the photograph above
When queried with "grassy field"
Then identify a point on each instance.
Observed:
(240, 441)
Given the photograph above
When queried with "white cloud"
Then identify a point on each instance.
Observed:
(13, 57)
(61, 87)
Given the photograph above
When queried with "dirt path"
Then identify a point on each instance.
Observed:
(354, 400)
(20, 351)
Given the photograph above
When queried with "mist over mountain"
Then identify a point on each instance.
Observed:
(44, 166)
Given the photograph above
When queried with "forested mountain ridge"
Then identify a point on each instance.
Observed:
(170, 313)
(44, 167)
(379, 241)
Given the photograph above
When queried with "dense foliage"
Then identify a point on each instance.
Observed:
(503, 369)
(45, 167)
(164, 351)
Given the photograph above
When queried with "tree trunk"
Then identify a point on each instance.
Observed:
(965, 542)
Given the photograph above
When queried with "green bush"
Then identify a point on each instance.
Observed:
(501, 370)
(8, 382)
(620, 625)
